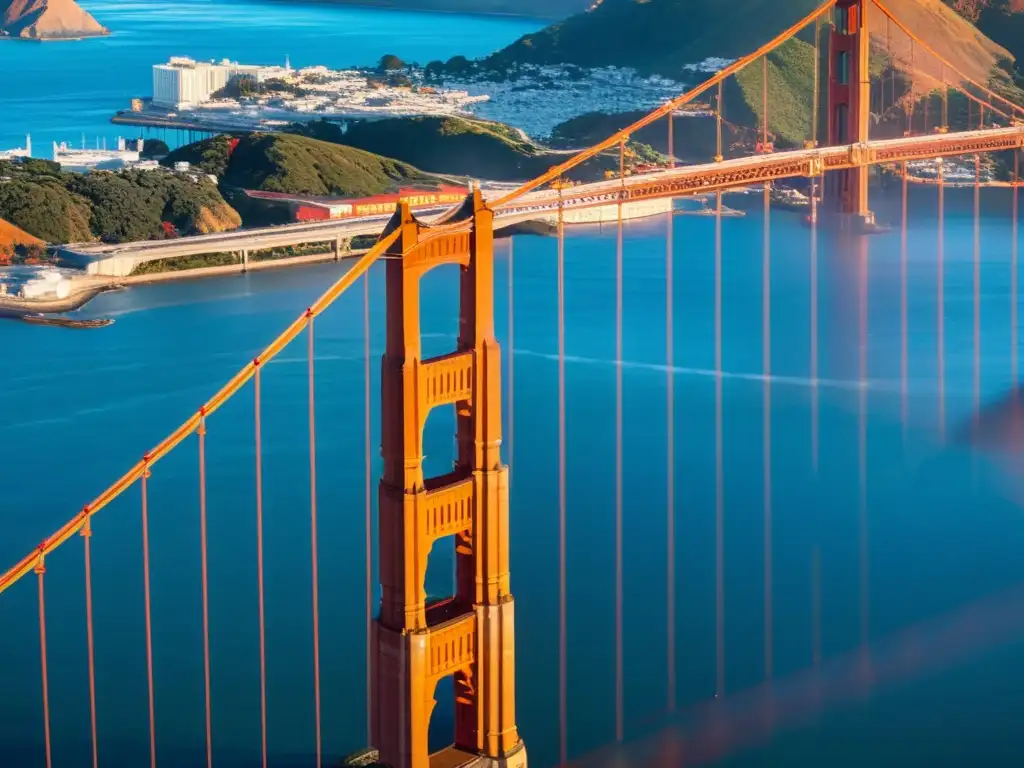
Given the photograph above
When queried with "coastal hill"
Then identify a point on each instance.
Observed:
(59, 207)
(455, 145)
(297, 165)
(47, 20)
(439, 144)
(665, 36)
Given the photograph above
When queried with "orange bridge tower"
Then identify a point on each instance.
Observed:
(469, 636)
(849, 100)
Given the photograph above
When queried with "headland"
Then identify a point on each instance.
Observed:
(47, 20)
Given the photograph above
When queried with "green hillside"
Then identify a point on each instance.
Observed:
(456, 146)
(665, 36)
(116, 207)
(298, 165)
(450, 145)
(660, 36)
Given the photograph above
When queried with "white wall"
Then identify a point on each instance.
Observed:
(181, 86)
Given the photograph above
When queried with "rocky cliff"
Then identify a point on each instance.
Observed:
(12, 238)
(47, 20)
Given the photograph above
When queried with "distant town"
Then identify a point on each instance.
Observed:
(226, 95)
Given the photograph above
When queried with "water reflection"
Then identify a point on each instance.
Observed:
(808, 512)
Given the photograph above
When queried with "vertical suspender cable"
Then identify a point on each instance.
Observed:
(90, 640)
(862, 448)
(619, 706)
(892, 66)
(314, 552)
(766, 397)
(562, 625)
(670, 418)
(816, 103)
(718, 126)
(977, 274)
(671, 140)
(1014, 252)
(259, 563)
(764, 102)
(766, 352)
(719, 466)
(149, 613)
(814, 325)
(511, 352)
(977, 291)
(940, 257)
(205, 582)
(368, 512)
(40, 570)
(945, 101)
(904, 325)
(912, 107)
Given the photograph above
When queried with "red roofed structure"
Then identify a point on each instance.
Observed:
(314, 208)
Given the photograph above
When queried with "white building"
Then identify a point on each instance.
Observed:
(98, 159)
(184, 82)
(10, 154)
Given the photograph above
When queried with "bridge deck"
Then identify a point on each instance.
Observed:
(674, 182)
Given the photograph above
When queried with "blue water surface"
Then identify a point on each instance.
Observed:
(912, 525)
(60, 91)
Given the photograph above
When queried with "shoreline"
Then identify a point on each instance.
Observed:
(77, 38)
(85, 288)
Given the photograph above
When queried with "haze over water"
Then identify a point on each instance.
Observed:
(944, 525)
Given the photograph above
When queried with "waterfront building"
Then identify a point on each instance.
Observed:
(10, 154)
(185, 82)
(127, 153)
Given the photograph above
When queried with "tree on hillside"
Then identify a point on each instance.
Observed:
(155, 148)
(434, 71)
(458, 65)
(45, 209)
(121, 211)
(389, 62)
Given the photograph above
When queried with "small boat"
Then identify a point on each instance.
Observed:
(706, 210)
(789, 199)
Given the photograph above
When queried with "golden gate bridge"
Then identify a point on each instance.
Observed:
(413, 642)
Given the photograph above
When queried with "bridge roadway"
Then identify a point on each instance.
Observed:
(674, 182)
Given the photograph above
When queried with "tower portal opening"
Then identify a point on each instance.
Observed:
(442, 720)
(439, 292)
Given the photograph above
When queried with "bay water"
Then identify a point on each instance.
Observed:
(910, 522)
